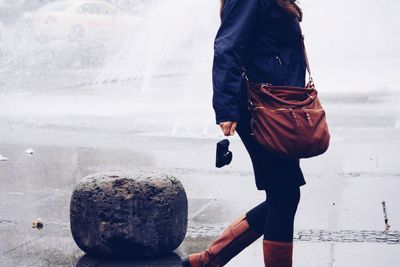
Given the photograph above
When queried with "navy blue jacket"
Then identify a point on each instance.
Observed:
(261, 37)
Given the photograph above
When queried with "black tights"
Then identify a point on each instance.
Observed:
(275, 216)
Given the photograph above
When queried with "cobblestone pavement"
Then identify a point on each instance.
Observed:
(304, 235)
(312, 235)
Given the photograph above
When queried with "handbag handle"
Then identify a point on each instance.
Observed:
(311, 97)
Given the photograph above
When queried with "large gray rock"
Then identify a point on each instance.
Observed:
(128, 215)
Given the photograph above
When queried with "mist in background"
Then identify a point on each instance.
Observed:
(149, 62)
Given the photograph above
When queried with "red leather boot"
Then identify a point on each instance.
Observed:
(232, 241)
(277, 254)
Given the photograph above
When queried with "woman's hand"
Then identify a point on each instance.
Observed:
(228, 127)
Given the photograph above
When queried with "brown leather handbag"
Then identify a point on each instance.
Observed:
(288, 121)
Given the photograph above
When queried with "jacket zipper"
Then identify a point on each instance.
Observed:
(279, 60)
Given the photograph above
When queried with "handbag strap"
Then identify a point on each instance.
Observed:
(310, 78)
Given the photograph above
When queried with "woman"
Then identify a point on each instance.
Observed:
(263, 37)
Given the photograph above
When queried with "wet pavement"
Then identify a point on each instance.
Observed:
(340, 220)
(342, 226)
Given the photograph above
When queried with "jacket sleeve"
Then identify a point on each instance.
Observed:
(237, 21)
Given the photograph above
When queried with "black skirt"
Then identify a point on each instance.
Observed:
(269, 171)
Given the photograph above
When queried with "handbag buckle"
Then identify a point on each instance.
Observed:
(250, 105)
(266, 85)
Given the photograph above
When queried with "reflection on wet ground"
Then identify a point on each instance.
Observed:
(172, 260)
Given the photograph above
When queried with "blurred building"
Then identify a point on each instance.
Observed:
(12, 10)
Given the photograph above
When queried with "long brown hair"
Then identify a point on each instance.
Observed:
(290, 6)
